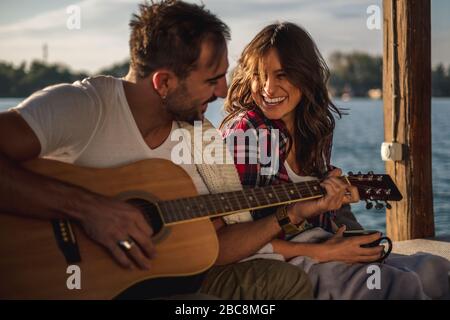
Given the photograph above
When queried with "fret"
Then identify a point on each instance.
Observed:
(316, 187)
(240, 196)
(263, 192)
(235, 202)
(258, 204)
(203, 208)
(281, 193)
(162, 205)
(251, 198)
(200, 207)
(226, 203)
(185, 210)
(269, 195)
(217, 208)
(275, 192)
(210, 205)
(165, 214)
(310, 191)
(223, 204)
(171, 211)
(195, 204)
(299, 194)
(177, 212)
(174, 210)
(244, 197)
(289, 193)
(218, 202)
(180, 204)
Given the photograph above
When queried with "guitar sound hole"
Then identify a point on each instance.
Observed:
(150, 213)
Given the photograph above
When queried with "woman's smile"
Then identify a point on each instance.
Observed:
(272, 102)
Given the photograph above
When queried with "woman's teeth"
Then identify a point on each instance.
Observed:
(273, 101)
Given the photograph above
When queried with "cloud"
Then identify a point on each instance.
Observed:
(103, 38)
(95, 14)
(334, 25)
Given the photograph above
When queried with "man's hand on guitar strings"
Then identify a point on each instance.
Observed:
(121, 228)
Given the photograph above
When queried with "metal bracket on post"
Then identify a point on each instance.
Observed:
(392, 151)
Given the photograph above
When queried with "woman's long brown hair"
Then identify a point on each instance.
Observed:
(307, 70)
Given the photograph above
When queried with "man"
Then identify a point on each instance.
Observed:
(178, 65)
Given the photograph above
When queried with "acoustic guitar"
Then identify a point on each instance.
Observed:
(36, 255)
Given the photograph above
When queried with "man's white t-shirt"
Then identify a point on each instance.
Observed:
(89, 123)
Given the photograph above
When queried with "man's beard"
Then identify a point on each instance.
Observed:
(180, 105)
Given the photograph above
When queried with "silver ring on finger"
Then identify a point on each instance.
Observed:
(126, 244)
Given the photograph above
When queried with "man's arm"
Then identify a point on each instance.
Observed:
(44, 197)
(23, 192)
(238, 241)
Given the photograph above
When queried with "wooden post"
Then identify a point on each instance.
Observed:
(407, 114)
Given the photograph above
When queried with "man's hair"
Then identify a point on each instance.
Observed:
(169, 34)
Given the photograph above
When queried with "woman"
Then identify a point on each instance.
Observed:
(280, 83)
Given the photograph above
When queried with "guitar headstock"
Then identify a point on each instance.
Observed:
(375, 187)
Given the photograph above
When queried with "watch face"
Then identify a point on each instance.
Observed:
(281, 213)
(291, 229)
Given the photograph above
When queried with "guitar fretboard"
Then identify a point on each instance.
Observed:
(211, 205)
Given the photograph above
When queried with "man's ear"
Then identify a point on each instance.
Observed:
(164, 81)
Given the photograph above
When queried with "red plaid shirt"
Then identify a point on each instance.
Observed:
(250, 172)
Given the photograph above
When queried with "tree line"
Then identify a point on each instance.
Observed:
(351, 73)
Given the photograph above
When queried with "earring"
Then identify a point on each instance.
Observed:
(163, 97)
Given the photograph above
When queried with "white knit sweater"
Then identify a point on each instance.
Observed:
(217, 177)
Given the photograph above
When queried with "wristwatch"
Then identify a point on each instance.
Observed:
(286, 224)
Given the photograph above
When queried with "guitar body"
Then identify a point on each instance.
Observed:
(32, 265)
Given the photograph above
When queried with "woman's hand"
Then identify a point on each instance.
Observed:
(337, 194)
(349, 250)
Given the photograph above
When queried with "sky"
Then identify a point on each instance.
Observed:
(102, 39)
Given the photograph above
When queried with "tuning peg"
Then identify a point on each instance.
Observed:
(378, 205)
(350, 173)
(370, 172)
(359, 172)
(369, 205)
(388, 205)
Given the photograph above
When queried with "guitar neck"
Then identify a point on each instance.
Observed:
(220, 204)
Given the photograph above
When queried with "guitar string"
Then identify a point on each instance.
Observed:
(280, 193)
(279, 190)
(238, 194)
(244, 195)
(240, 198)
